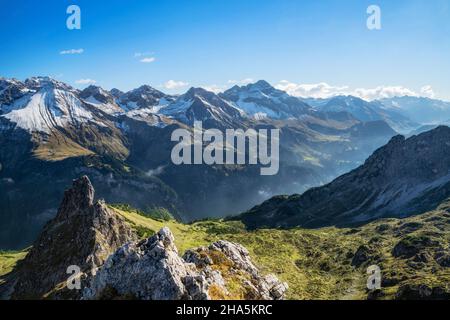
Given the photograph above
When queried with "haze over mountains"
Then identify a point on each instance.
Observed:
(51, 133)
(403, 178)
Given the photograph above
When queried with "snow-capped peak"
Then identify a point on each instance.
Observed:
(198, 104)
(45, 109)
(10, 91)
(100, 99)
(41, 104)
(36, 83)
(144, 97)
(260, 85)
(261, 100)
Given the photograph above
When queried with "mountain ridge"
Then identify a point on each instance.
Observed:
(406, 175)
(128, 152)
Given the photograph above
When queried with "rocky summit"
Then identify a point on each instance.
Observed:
(84, 233)
(153, 270)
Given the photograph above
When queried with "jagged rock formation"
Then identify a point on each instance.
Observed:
(223, 261)
(147, 270)
(84, 233)
(153, 270)
(101, 99)
(142, 97)
(403, 178)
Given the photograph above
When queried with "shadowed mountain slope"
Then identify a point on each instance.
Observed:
(405, 177)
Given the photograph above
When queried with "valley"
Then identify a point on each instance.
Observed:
(331, 263)
(327, 263)
(319, 259)
(50, 131)
(249, 152)
(388, 205)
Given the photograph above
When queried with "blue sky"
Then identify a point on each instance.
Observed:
(212, 42)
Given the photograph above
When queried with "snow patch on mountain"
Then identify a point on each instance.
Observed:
(144, 97)
(46, 109)
(177, 107)
(254, 110)
(261, 99)
(105, 107)
(148, 116)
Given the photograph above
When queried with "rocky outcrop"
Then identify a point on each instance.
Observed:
(224, 261)
(412, 245)
(147, 270)
(365, 255)
(153, 270)
(84, 233)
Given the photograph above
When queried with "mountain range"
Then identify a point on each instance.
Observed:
(51, 133)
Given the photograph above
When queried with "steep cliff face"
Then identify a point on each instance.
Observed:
(84, 233)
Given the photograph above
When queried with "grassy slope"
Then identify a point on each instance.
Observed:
(317, 264)
(59, 147)
(8, 260)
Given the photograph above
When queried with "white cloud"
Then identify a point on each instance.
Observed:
(242, 82)
(72, 51)
(318, 90)
(214, 88)
(85, 81)
(148, 60)
(172, 84)
(324, 90)
(382, 92)
(427, 91)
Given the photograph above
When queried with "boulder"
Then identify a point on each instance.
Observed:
(148, 270)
